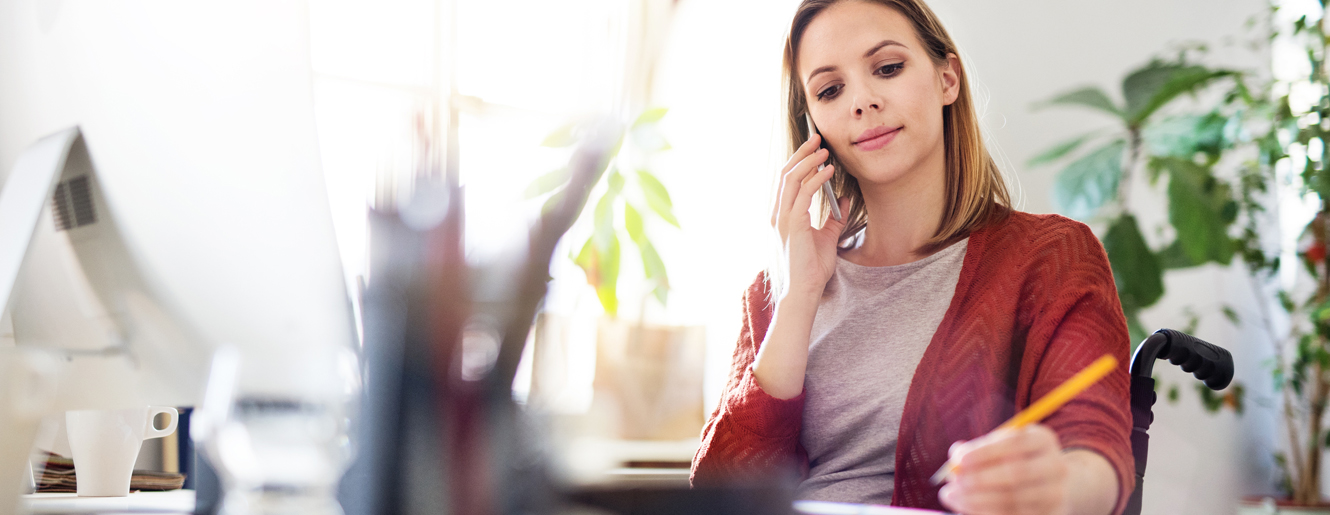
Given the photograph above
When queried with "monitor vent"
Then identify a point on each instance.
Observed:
(64, 219)
(72, 204)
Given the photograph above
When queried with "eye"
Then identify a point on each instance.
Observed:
(890, 70)
(829, 92)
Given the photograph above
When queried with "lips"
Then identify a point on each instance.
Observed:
(877, 137)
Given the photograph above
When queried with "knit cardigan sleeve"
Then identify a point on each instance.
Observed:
(1078, 320)
(751, 435)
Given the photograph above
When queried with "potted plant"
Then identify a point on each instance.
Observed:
(1272, 136)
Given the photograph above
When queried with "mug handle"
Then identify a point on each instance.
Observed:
(152, 431)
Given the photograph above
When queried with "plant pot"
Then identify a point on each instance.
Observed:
(1271, 506)
(652, 374)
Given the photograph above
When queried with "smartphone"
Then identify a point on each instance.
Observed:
(826, 186)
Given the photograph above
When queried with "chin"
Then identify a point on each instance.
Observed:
(879, 171)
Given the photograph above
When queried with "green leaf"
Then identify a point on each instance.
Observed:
(602, 272)
(1060, 150)
(586, 260)
(1209, 399)
(632, 220)
(1136, 271)
(1173, 394)
(1286, 301)
(615, 181)
(1089, 96)
(1185, 136)
(1231, 314)
(650, 116)
(546, 183)
(654, 267)
(658, 199)
(1135, 329)
(561, 137)
(1317, 180)
(1174, 256)
(604, 221)
(1090, 181)
(607, 288)
(1158, 83)
(1201, 208)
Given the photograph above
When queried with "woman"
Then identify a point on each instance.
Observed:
(883, 344)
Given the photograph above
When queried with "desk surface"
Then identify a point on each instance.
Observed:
(182, 502)
(175, 501)
(840, 508)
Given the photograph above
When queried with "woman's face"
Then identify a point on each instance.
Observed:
(874, 93)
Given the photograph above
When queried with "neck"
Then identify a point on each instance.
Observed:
(902, 215)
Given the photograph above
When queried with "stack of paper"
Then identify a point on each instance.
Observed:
(58, 476)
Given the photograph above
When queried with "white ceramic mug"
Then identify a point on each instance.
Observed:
(105, 444)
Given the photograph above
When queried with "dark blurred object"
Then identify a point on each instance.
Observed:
(207, 486)
(58, 477)
(1210, 363)
(433, 439)
(736, 500)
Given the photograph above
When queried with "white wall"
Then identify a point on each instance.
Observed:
(721, 78)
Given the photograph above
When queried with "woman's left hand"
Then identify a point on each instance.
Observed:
(1021, 471)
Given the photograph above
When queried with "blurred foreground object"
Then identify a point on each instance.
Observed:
(280, 451)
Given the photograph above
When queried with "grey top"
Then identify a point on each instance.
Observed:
(870, 331)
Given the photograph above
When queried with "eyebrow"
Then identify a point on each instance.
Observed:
(869, 53)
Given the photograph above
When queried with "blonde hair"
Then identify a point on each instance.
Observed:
(975, 193)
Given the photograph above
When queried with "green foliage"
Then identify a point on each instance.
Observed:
(1136, 270)
(657, 197)
(1233, 397)
(1182, 148)
(1087, 183)
(1060, 150)
(1201, 208)
(1183, 136)
(1091, 97)
(1149, 88)
(618, 211)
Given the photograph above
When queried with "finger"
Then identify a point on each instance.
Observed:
(1013, 473)
(804, 200)
(793, 179)
(1037, 499)
(1000, 446)
(836, 226)
(807, 148)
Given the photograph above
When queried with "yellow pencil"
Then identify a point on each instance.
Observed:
(1046, 405)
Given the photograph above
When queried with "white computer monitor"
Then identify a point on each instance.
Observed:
(77, 292)
(196, 130)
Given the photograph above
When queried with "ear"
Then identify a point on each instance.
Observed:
(950, 78)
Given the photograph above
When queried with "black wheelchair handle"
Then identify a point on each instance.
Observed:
(1210, 363)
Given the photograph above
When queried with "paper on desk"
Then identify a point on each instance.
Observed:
(845, 508)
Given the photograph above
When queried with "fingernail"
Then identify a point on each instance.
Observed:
(948, 494)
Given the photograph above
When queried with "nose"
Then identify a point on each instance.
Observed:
(865, 101)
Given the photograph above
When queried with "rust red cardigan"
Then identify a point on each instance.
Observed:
(1035, 303)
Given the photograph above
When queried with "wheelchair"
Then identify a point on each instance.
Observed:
(1209, 363)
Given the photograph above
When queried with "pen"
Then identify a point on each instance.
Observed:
(1045, 406)
(826, 186)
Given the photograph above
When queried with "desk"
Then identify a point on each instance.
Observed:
(175, 501)
(840, 508)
